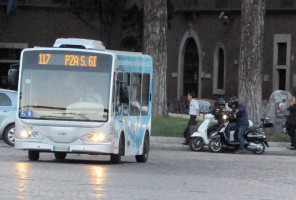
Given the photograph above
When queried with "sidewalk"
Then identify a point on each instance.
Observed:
(175, 144)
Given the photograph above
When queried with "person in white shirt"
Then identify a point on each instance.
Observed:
(193, 112)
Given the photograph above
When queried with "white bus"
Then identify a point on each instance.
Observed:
(78, 97)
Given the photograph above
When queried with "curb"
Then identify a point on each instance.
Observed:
(175, 144)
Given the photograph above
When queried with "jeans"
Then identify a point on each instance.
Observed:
(241, 131)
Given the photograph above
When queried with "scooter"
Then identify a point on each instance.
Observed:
(254, 136)
(200, 137)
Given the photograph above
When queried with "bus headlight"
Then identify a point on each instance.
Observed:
(96, 137)
(26, 133)
(29, 134)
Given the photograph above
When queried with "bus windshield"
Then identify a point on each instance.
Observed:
(65, 85)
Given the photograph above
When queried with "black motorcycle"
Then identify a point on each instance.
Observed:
(254, 136)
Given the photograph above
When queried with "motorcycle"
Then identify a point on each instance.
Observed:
(200, 137)
(254, 136)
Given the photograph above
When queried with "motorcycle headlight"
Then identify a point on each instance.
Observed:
(224, 117)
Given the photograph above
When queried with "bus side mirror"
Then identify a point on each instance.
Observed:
(13, 74)
(123, 98)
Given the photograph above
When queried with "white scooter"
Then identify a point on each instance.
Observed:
(200, 137)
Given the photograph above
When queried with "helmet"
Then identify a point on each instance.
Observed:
(221, 101)
(233, 101)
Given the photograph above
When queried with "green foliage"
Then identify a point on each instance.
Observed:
(168, 126)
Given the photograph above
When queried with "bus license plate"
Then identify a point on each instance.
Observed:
(61, 148)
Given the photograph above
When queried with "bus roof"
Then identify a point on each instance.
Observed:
(91, 45)
(79, 43)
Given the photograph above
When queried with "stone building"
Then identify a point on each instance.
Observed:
(203, 42)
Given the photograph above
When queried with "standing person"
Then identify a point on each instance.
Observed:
(242, 121)
(193, 112)
(291, 123)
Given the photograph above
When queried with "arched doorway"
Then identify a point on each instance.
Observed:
(191, 68)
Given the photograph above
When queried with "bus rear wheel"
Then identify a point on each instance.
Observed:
(144, 157)
(60, 155)
(33, 155)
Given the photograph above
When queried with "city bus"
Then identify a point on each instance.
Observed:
(78, 97)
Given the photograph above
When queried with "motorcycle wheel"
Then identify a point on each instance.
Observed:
(261, 151)
(196, 144)
(215, 145)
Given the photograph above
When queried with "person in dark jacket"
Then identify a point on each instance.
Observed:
(241, 119)
(291, 123)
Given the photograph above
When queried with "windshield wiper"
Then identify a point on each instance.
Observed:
(54, 116)
(79, 114)
(47, 107)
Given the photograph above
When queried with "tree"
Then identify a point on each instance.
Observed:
(251, 57)
(155, 44)
(101, 15)
(132, 26)
(132, 29)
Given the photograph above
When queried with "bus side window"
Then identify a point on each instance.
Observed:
(145, 94)
(119, 80)
(135, 97)
(125, 86)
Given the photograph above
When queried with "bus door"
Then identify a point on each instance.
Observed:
(145, 105)
(121, 111)
(123, 121)
(135, 110)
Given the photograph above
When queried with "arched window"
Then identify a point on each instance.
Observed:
(219, 71)
(191, 68)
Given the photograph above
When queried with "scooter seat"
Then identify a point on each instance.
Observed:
(233, 143)
(252, 128)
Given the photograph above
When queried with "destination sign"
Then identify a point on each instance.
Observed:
(72, 60)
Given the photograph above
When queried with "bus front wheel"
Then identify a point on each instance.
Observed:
(116, 158)
(33, 155)
(144, 157)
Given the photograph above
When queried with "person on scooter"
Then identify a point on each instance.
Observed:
(193, 112)
(242, 121)
(218, 113)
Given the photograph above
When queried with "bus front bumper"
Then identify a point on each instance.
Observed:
(104, 148)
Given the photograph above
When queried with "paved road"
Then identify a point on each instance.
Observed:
(175, 144)
(167, 175)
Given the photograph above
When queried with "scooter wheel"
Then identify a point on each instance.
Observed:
(215, 145)
(261, 149)
(196, 144)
